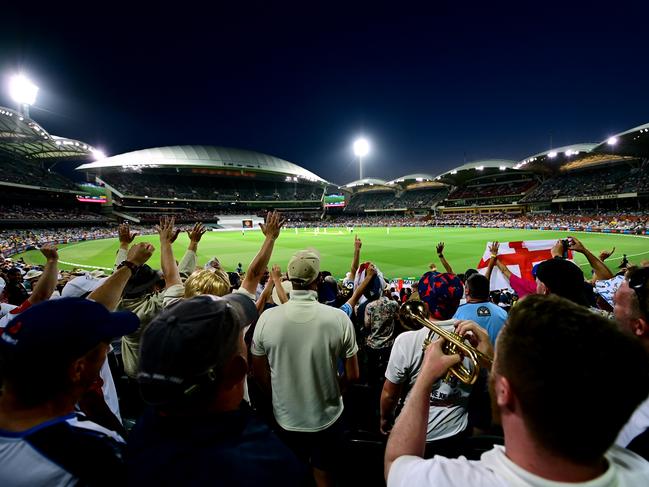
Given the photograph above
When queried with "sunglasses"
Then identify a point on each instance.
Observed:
(638, 281)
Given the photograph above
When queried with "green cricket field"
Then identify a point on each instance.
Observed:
(398, 252)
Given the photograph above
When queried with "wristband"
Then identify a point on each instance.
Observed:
(133, 267)
(494, 256)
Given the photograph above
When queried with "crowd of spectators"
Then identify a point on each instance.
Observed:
(413, 199)
(33, 213)
(33, 174)
(210, 188)
(189, 373)
(592, 182)
(492, 190)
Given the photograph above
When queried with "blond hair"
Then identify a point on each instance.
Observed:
(205, 281)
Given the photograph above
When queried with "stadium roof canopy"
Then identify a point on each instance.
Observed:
(632, 142)
(21, 138)
(203, 156)
(474, 169)
(366, 182)
(557, 156)
(412, 177)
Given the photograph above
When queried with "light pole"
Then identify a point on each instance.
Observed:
(23, 92)
(361, 149)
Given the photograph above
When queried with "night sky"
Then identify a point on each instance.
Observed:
(429, 86)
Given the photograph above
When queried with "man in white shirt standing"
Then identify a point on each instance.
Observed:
(296, 347)
(558, 392)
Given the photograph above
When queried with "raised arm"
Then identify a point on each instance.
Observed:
(47, 283)
(126, 237)
(602, 272)
(270, 229)
(167, 260)
(493, 250)
(360, 289)
(276, 277)
(442, 259)
(357, 256)
(189, 261)
(264, 296)
(408, 437)
(110, 292)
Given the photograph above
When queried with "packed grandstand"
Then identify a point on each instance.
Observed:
(56, 191)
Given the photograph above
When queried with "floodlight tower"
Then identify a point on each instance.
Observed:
(361, 149)
(23, 92)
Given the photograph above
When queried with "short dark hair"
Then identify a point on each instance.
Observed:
(564, 279)
(478, 286)
(558, 356)
(638, 279)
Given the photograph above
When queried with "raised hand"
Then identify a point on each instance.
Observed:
(274, 223)
(276, 273)
(166, 230)
(493, 248)
(196, 233)
(50, 252)
(576, 245)
(125, 235)
(440, 248)
(140, 253)
(357, 243)
(605, 254)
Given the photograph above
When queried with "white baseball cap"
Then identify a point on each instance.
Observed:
(81, 286)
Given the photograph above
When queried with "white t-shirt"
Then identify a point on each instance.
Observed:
(303, 340)
(638, 423)
(495, 469)
(448, 414)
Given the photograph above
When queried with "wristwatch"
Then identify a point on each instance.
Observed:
(125, 263)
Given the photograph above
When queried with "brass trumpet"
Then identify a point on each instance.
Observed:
(414, 316)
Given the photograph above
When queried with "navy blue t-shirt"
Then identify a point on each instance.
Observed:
(233, 449)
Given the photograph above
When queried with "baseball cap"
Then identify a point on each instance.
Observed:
(81, 286)
(185, 346)
(304, 267)
(142, 281)
(441, 292)
(563, 278)
(63, 329)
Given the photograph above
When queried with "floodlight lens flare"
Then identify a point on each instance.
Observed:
(612, 141)
(22, 90)
(361, 147)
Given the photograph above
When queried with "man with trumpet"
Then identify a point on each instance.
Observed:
(563, 383)
(449, 397)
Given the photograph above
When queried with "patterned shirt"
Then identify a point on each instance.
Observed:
(379, 318)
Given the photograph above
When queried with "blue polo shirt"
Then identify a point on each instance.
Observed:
(488, 315)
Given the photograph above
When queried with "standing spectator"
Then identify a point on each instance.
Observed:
(478, 308)
(558, 426)
(51, 356)
(14, 289)
(380, 316)
(632, 315)
(448, 413)
(199, 432)
(295, 350)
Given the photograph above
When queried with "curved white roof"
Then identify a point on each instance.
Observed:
(21, 136)
(566, 150)
(480, 165)
(365, 182)
(204, 156)
(413, 177)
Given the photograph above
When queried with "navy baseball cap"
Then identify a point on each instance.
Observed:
(65, 328)
(186, 345)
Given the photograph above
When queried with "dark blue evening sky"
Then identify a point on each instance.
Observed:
(428, 83)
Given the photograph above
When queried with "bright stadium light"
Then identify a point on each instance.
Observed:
(23, 92)
(361, 149)
(552, 155)
(612, 141)
(98, 154)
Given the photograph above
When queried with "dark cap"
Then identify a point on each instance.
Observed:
(441, 292)
(65, 328)
(142, 281)
(187, 345)
(563, 278)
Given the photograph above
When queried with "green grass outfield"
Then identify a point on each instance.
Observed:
(404, 252)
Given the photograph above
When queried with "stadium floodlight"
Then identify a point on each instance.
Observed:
(552, 155)
(23, 92)
(98, 154)
(361, 149)
(612, 141)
